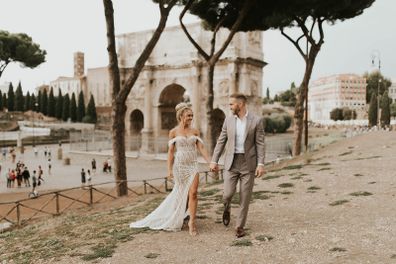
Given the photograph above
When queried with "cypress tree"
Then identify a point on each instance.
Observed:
(73, 108)
(59, 105)
(385, 112)
(44, 102)
(51, 104)
(19, 98)
(10, 98)
(33, 101)
(39, 103)
(1, 101)
(4, 101)
(66, 107)
(91, 116)
(26, 105)
(80, 107)
(373, 111)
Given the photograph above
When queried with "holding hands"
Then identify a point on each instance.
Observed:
(213, 167)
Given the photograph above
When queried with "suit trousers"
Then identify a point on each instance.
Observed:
(238, 172)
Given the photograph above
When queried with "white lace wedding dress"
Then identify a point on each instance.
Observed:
(170, 213)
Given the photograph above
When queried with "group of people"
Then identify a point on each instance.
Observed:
(20, 175)
(242, 137)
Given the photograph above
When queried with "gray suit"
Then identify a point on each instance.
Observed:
(240, 167)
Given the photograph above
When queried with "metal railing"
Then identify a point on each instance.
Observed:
(55, 203)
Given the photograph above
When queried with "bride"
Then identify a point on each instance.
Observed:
(183, 169)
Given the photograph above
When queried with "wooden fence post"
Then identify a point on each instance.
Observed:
(90, 195)
(206, 177)
(57, 203)
(166, 184)
(145, 187)
(18, 213)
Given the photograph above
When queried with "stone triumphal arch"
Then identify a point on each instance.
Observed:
(175, 73)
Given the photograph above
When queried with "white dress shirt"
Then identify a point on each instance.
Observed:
(240, 128)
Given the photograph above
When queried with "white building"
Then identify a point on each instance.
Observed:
(70, 85)
(335, 91)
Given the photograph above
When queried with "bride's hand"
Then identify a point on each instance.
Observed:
(170, 176)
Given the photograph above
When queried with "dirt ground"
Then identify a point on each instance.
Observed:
(335, 205)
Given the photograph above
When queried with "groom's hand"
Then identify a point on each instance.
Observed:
(259, 171)
(213, 167)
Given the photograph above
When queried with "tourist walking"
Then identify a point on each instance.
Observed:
(26, 177)
(83, 178)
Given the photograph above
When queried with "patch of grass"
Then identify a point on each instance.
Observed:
(393, 256)
(286, 185)
(293, 167)
(372, 182)
(296, 178)
(260, 195)
(214, 182)
(286, 192)
(313, 188)
(322, 164)
(371, 157)
(323, 169)
(265, 238)
(358, 175)
(100, 251)
(151, 255)
(338, 202)
(346, 153)
(202, 217)
(337, 249)
(242, 243)
(270, 177)
(307, 180)
(210, 192)
(361, 193)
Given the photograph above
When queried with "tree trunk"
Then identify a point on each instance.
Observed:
(119, 96)
(118, 135)
(306, 120)
(299, 108)
(209, 109)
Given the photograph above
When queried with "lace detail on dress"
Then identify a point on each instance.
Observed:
(170, 213)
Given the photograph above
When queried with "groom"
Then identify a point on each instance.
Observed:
(243, 136)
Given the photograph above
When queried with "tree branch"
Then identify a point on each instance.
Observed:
(295, 43)
(139, 64)
(312, 27)
(195, 44)
(213, 41)
(111, 48)
(321, 32)
(246, 6)
(305, 30)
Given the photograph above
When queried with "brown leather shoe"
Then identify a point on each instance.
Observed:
(226, 215)
(240, 232)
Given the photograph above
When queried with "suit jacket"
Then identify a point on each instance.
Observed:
(254, 145)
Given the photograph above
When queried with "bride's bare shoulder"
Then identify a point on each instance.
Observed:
(172, 132)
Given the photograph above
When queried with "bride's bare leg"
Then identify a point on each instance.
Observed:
(192, 205)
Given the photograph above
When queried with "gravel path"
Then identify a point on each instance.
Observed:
(304, 226)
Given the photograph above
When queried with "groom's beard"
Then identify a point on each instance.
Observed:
(236, 111)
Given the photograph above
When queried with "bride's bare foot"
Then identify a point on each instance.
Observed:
(192, 228)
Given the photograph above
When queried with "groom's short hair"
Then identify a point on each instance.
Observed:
(239, 96)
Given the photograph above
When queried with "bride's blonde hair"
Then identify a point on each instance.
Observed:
(180, 109)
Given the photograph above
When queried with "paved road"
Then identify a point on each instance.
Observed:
(66, 176)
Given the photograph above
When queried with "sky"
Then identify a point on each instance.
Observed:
(62, 27)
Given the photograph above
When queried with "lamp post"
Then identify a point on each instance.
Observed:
(375, 54)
